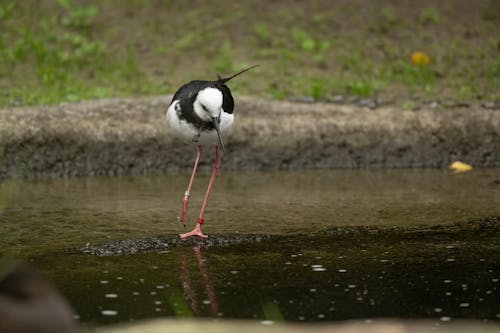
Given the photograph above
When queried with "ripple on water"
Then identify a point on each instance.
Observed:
(318, 268)
(109, 312)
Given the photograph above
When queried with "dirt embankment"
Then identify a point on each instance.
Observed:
(120, 136)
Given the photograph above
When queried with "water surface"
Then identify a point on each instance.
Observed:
(61, 213)
(417, 258)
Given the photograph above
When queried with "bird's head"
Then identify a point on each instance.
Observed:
(208, 106)
(208, 103)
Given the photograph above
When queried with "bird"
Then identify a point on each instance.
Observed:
(201, 112)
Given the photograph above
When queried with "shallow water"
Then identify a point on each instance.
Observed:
(314, 267)
(50, 215)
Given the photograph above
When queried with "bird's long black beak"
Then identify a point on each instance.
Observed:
(216, 121)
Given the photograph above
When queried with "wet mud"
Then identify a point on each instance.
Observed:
(474, 229)
(130, 136)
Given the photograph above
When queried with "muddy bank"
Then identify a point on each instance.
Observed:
(476, 228)
(123, 136)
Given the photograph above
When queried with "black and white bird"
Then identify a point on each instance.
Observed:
(201, 112)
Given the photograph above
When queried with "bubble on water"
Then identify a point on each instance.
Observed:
(267, 322)
(111, 295)
(302, 318)
(445, 318)
(383, 260)
(318, 257)
(342, 270)
(157, 309)
(450, 259)
(154, 267)
(157, 302)
(488, 292)
(105, 272)
(76, 317)
(104, 281)
(159, 287)
(321, 316)
(319, 269)
(437, 310)
(494, 280)
(450, 247)
(352, 286)
(206, 301)
(153, 293)
(448, 293)
(288, 263)
(316, 266)
(119, 277)
(109, 312)
(464, 305)
(135, 293)
(447, 281)
(234, 272)
(313, 290)
(498, 315)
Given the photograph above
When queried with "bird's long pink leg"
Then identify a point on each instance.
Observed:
(185, 201)
(197, 230)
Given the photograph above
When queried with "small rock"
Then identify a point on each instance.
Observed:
(368, 103)
(302, 99)
(337, 99)
(433, 104)
(16, 102)
(491, 105)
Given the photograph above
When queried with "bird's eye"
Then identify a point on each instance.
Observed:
(204, 107)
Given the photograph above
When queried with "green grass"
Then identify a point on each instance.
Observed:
(69, 50)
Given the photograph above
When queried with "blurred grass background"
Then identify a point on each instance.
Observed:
(69, 50)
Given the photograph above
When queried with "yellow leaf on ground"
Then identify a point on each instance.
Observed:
(420, 58)
(460, 167)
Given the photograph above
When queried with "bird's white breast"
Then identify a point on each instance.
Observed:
(189, 133)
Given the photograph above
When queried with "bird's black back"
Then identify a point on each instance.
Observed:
(188, 92)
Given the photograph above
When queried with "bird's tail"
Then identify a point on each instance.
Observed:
(224, 80)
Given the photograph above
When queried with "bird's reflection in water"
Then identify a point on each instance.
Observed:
(189, 284)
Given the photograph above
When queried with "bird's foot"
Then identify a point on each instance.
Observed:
(195, 232)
